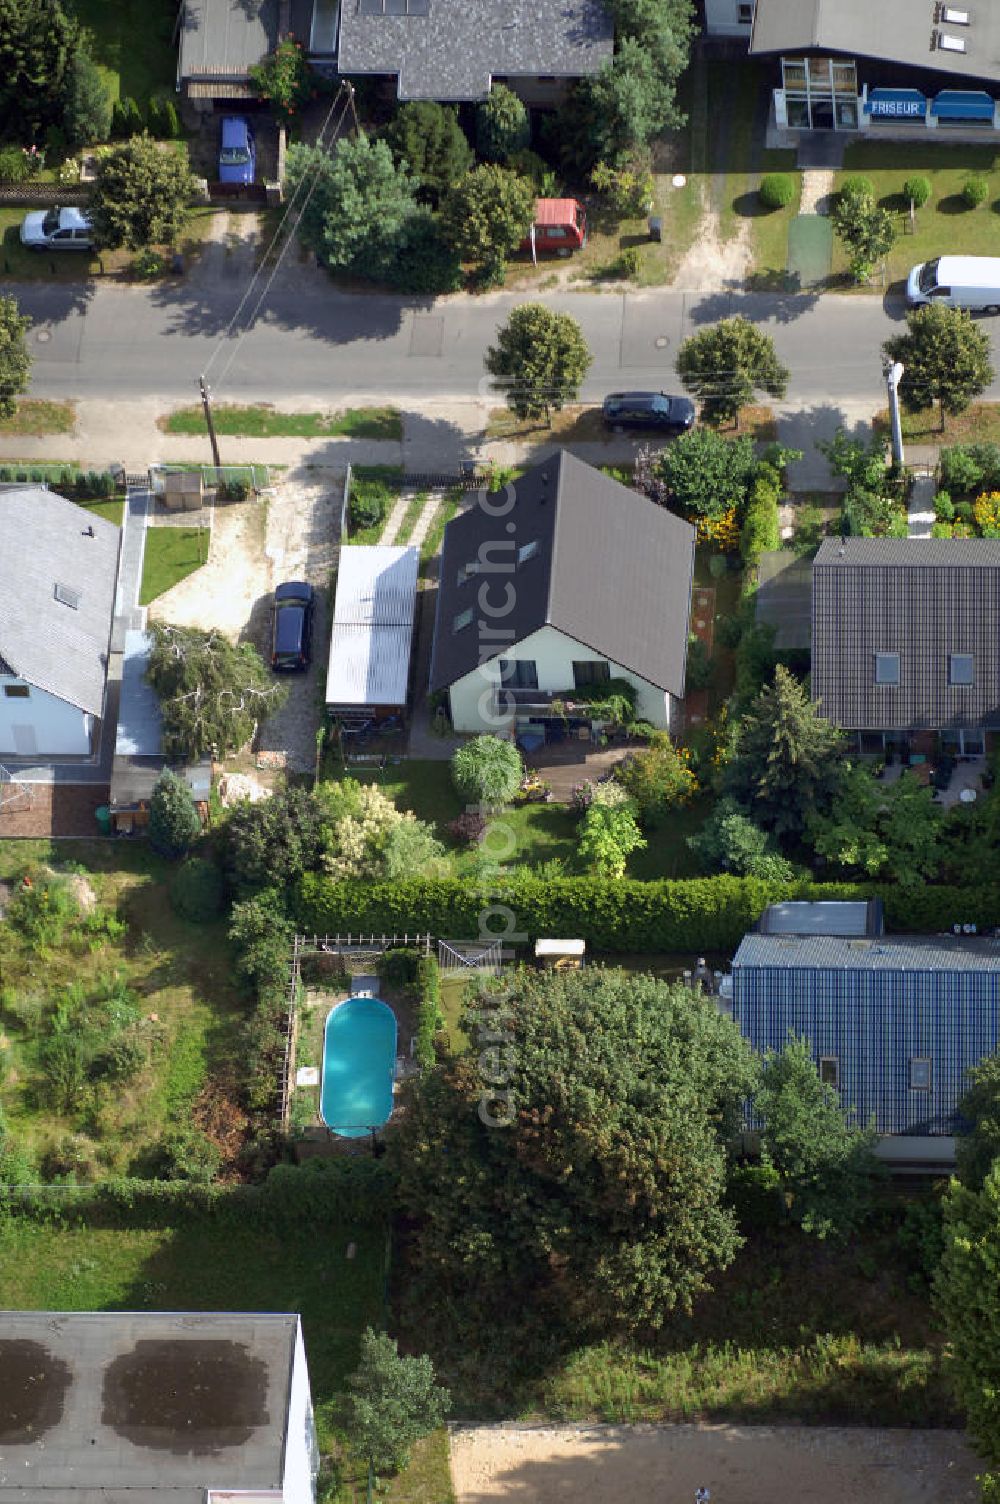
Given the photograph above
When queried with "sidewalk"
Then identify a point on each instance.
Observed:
(438, 436)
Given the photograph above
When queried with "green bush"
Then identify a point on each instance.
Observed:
(126, 119)
(370, 503)
(754, 1193)
(196, 891)
(917, 190)
(186, 1154)
(502, 125)
(424, 261)
(944, 507)
(761, 531)
(174, 822)
(42, 909)
(629, 261)
(967, 469)
(163, 121)
(685, 915)
(487, 771)
(776, 191)
(975, 190)
(147, 265)
(858, 187)
(399, 967)
(17, 166)
(429, 1018)
(700, 671)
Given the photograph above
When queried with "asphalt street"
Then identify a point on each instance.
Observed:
(113, 341)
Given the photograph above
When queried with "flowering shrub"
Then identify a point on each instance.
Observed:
(582, 796)
(629, 191)
(986, 512)
(467, 829)
(723, 531)
(284, 79)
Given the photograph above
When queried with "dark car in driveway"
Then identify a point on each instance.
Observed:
(237, 151)
(291, 626)
(648, 410)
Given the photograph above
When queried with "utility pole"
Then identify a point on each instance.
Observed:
(213, 440)
(893, 376)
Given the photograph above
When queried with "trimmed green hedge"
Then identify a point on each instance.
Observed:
(319, 1192)
(429, 1017)
(693, 914)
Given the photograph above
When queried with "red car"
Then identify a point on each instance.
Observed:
(560, 225)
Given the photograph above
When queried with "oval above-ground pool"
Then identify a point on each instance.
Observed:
(359, 1066)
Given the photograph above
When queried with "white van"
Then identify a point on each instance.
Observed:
(971, 282)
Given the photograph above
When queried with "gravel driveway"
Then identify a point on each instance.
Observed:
(292, 535)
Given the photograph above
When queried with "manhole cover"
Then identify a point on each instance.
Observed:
(43, 336)
(662, 341)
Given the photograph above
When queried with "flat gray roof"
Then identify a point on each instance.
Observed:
(452, 49)
(372, 626)
(140, 722)
(157, 1405)
(887, 953)
(784, 598)
(823, 918)
(900, 31)
(224, 38)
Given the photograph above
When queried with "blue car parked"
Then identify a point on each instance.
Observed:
(238, 152)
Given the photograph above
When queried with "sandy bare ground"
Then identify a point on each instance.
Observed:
(738, 1464)
(713, 264)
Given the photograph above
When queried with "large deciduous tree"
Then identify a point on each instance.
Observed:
(212, 694)
(486, 215)
(978, 1150)
(787, 759)
(825, 1163)
(601, 1202)
(967, 1293)
(946, 359)
(391, 1402)
(701, 474)
(142, 195)
(38, 43)
(15, 362)
(428, 138)
(725, 365)
(540, 359)
(358, 207)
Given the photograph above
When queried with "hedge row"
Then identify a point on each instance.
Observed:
(429, 1017)
(318, 1193)
(693, 914)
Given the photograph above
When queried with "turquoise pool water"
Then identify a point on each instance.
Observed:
(359, 1063)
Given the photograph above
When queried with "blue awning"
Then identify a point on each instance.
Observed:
(895, 104)
(957, 104)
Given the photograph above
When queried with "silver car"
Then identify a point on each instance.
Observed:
(57, 230)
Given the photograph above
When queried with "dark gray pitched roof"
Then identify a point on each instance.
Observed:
(896, 30)
(885, 953)
(454, 48)
(611, 570)
(923, 598)
(49, 542)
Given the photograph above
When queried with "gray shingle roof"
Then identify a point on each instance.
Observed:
(50, 542)
(454, 50)
(611, 570)
(923, 598)
(143, 1405)
(896, 30)
(886, 953)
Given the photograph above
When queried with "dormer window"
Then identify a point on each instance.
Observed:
(467, 571)
(886, 668)
(463, 620)
(527, 551)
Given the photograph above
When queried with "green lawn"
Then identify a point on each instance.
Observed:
(979, 424)
(206, 1266)
(132, 44)
(377, 480)
(172, 553)
(264, 422)
(111, 511)
(526, 834)
(414, 507)
(35, 416)
(431, 546)
(943, 224)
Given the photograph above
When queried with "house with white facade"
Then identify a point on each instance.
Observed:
(58, 573)
(558, 583)
(191, 1407)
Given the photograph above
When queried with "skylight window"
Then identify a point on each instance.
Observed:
(955, 17)
(960, 669)
(394, 7)
(463, 620)
(951, 44)
(67, 596)
(466, 571)
(527, 551)
(886, 668)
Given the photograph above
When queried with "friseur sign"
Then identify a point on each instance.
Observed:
(896, 104)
